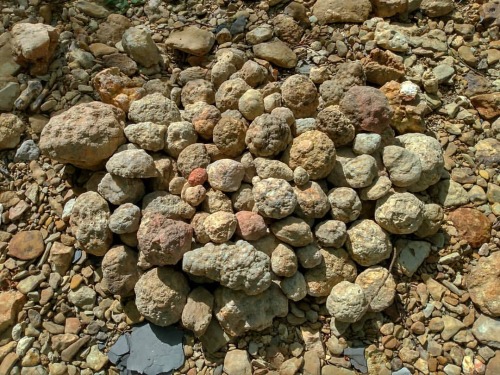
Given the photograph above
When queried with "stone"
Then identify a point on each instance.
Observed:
(300, 95)
(163, 241)
(11, 129)
(411, 255)
(347, 302)
(119, 190)
(192, 40)
(336, 125)
(293, 231)
(60, 257)
(367, 108)
(332, 11)
(197, 90)
(131, 164)
(161, 295)
(437, 8)
(481, 283)
(154, 108)
(314, 152)
(268, 135)
(229, 136)
(96, 360)
(472, 225)
(284, 261)
(267, 168)
(26, 245)
(493, 365)
(312, 202)
(83, 297)
(125, 219)
(488, 151)
(251, 226)
(367, 243)
(294, 287)
(378, 286)
(94, 133)
(89, 223)
(9, 92)
(236, 362)
(139, 45)
(91, 9)
(360, 171)
(147, 135)
(403, 166)
(331, 233)
(33, 45)
(345, 204)
(27, 151)
(237, 266)
(238, 312)
(220, 226)
(399, 213)
(384, 66)
(274, 198)
(276, 52)
(119, 270)
(197, 314)
(11, 304)
(251, 104)
(225, 175)
(388, 8)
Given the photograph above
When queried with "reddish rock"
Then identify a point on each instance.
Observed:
(482, 282)
(163, 241)
(11, 303)
(493, 367)
(472, 225)
(198, 176)
(488, 105)
(251, 225)
(367, 108)
(26, 245)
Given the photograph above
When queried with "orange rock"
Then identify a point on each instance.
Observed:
(488, 105)
(11, 303)
(26, 245)
(472, 225)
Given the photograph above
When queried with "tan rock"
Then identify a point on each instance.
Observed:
(192, 40)
(26, 245)
(11, 302)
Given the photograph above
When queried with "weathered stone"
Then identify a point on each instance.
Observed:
(482, 283)
(26, 245)
(472, 225)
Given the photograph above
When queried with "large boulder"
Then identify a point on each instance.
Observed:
(85, 135)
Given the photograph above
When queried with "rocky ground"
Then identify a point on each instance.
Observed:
(301, 187)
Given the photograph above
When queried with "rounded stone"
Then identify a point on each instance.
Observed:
(300, 95)
(400, 213)
(314, 152)
(251, 226)
(347, 302)
(274, 198)
(229, 136)
(220, 226)
(293, 231)
(294, 287)
(11, 129)
(179, 135)
(154, 108)
(284, 261)
(119, 190)
(268, 135)
(198, 225)
(360, 171)
(312, 202)
(309, 256)
(335, 125)
(125, 219)
(26, 245)
(204, 118)
(147, 135)
(366, 143)
(379, 294)
(433, 215)
(251, 104)
(331, 233)
(229, 93)
(161, 295)
(345, 204)
(197, 90)
(192, 157)
(367, 243)
(225, 175)
(119, 270)
(403, 166)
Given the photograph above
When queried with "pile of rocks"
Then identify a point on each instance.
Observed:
(267, 180)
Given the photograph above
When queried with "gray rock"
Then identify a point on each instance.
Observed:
(197, 313)
(378, 296)
(154, 108)
(274, 198)
(27, 151)
(169, 205)
(433, 216)
(276, 52)
(437, 8)
(345, 203)
(487, 331)
(403, 166)
(139, 45)
(347, 302)
(9, 92)
(451, 194)
(360, 171)
(125, 219)
(267, 168)
(400, 213)
(367, 243)
(284, 261)
(225, 175)
(411, 255)
(294, 287)
(118, 190)
(331, 233)
(366, 143)
(237, 266)
(132, 164)
(379, 187)
(238, 312)
(309, 256)
(161, 295)
(147, 135)
(83, 297)
(179, 135)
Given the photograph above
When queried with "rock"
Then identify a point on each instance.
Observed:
(433, 216)
(11, 129)
(347, 302)
(384, 66)
(349, 74)
(276, 52)
(238, 312)
(163, 241)
(287, 29)
(472, 225)
(331, 233)
(430, 153)
(197, 90)
(85, 135)
(122, 62)
(360, 171)
(388, 8)
(251, 104)
(493, 366)
(259, 35)
(345, 204)
(229, 93)
(314, 152)
(125, 219)
(236, 362)
(451, 327)
(119, 190)
(293, 231)
(411, 255)
(27, 151)
(113, 29)
(197, 314)
(481, 283)
(179, 136)
(169, 205)
(284, 261)
(403, 166)
(89, 223)
(83, 297)
(367, 243)
(225, 175)
(294, 287)
(229, 136)
(366, 143)
(132, 164)
(487, 105)
(437, 8)
(11, 304)
(367, 108)
(312, 202)
(251, 226)
(330, 11)
(274, 198)
(30, 283)
(335, 266)
(192, 40)
(26, 245)
(220, 226)
(312, 363)
(33, 45)
(268, 135)
(267, 168)
(379, 296)
(237, 266)
(9, 92)
(119, 270)
(139, 45)
(60, 257)
(399, 213)
(300, 95)
(335, 125)
(147, 135)
(91, 9)
(116, 88)
(154, 108)
(488, 151)
(291, 366)
(379, 188)
(96, 360)
(161, 295)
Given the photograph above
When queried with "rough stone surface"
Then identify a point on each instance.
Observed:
(26, 245)
(274, 198)
(399, 213)
(481, 283)
(119, 270)
(197, 314)
(347, 302)
(367, 243)
(11, 129)
(192, 40)
(472, 225)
